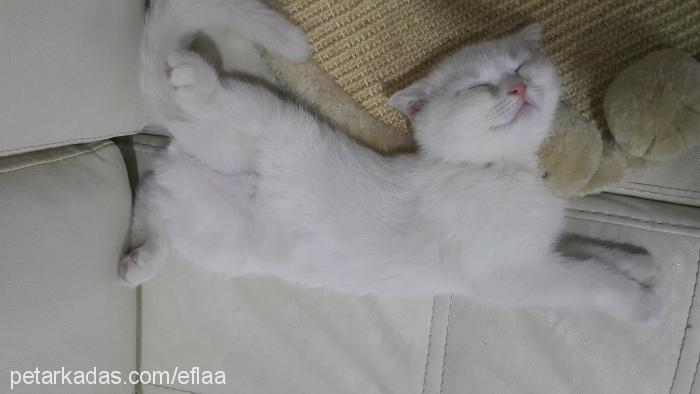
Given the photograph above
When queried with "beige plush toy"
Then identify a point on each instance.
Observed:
(653, 107)
(652, 110)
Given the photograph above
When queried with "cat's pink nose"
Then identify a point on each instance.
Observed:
(518, 88)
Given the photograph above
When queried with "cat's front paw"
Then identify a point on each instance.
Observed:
(192, 79)
(650, 308)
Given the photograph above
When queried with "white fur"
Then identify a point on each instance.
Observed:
(253, 183)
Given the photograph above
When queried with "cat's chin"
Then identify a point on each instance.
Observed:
(523, 112)
(522, 115)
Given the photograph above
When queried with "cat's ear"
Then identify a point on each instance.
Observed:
(410, 100)
(531, 36)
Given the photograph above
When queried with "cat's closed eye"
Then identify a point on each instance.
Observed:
(518, 69)
(481, 86)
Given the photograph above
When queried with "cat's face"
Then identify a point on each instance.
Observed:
(493, 101)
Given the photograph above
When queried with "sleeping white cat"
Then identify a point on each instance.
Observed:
(254, 183)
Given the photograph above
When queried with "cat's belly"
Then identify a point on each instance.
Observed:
(348, 238)
(492, 217)
(512, 228)
(207, 215)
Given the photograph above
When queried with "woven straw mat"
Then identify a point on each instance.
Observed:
(373, 48)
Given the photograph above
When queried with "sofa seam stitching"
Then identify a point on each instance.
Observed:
(695, 373)
(66, 142)
(635, 219)
(656, 193)
(430, 339)
(626, 224)
(685, 332)
(55, 160)
(444, 354)
(139, 150)
(120, 143)
(173, 388)
(663, 187)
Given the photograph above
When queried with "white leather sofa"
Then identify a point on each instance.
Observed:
(68, 88)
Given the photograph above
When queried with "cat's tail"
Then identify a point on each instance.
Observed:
(171, 25)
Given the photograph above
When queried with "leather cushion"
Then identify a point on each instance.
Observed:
(68, 66)
(65, 215)
(676, 181)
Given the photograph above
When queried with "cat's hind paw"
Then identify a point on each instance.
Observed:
(135, 269)
(192, 79)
